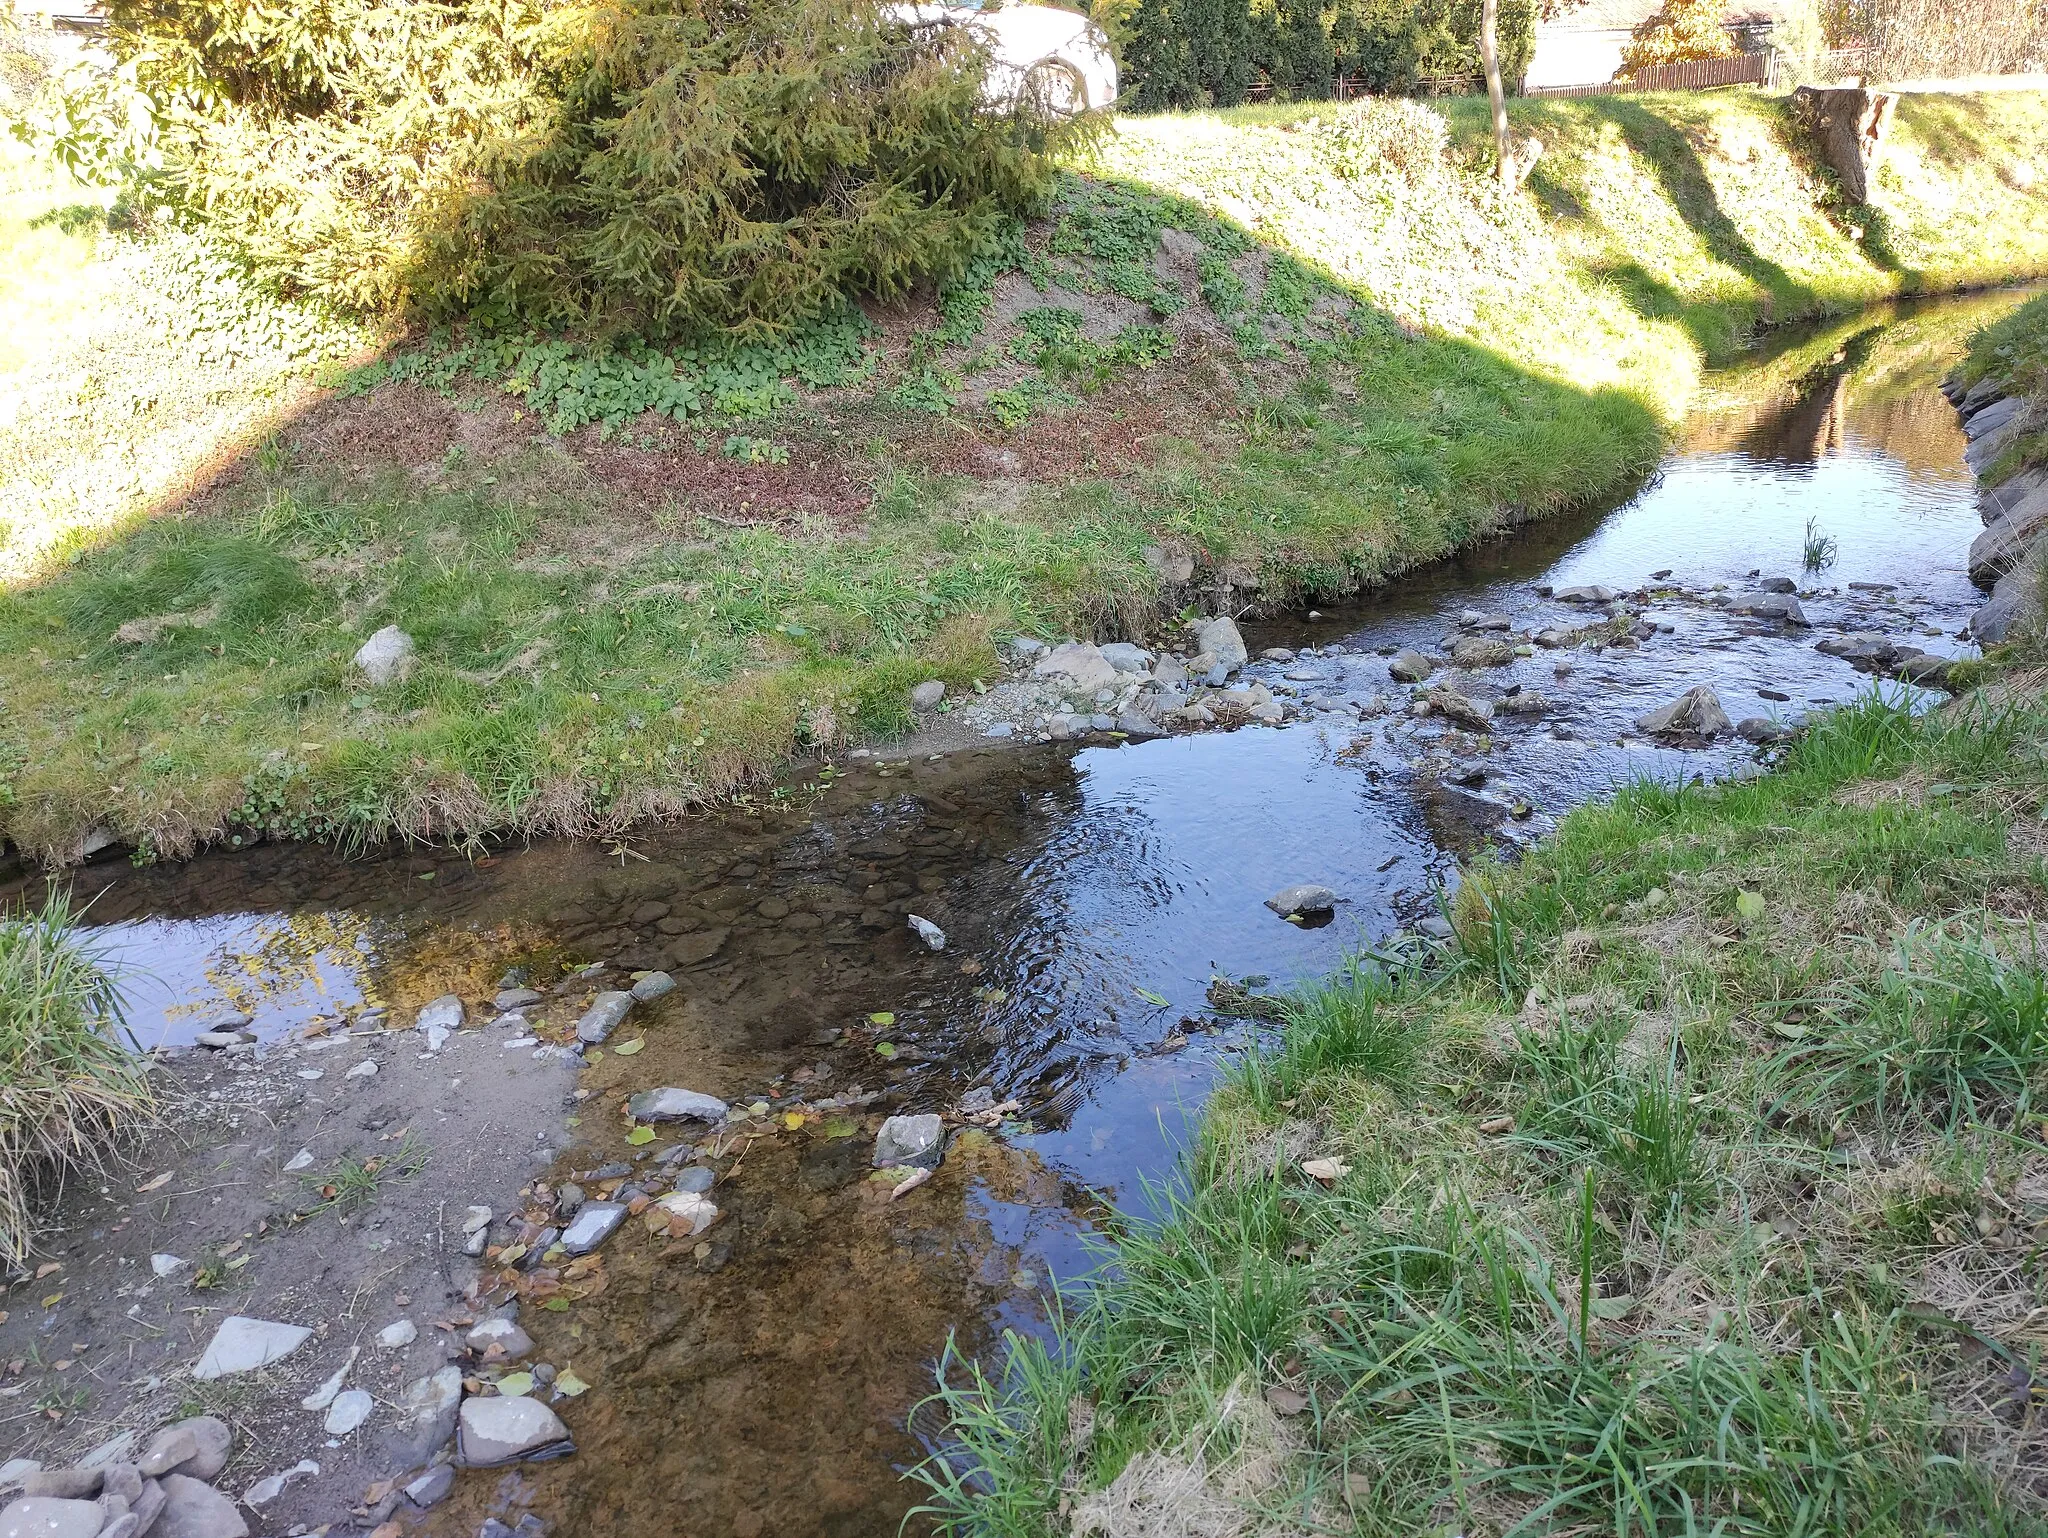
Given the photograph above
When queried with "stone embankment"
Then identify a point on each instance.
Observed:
(2007, 558)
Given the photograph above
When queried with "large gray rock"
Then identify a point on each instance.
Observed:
(194, 1509)
(1462, 708)
(1219, 638)
(1773, 605)
(594, 1223)
(653, 986)
(1127, 658)
(1077, 667)
(1994, 502)
(1482, 651)
(78, 1484)
(47, 1516)
(603, 1017)
(242, 1344)
(1999, 548)
(426, 1418)
(198, 1446)
(350, 1409)
(671, 1104)
(927, 695)
(1864, 650)
(1410, 666)
(1306, 897)
(1587, 592)
(2015, 605)
(1990, 418)
(1696, 712)
(387, 656)
(508, 1429)
(915, 1141)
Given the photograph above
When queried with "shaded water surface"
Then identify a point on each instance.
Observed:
(759, 1382)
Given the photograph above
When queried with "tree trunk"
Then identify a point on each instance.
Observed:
(1489, 55)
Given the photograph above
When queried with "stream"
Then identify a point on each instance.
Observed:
(762, 1381)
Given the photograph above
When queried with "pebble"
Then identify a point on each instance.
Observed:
(593, 1224)
(432, 1487)
(269, 1488)
(653, 986)
(934, 937)
(511, 1341)
(696, 1179)
(1410, 667)
(386, 656)
(350, 1409)
(474, 1218)
(367, 1069)
(509, 999)
(323, 1396)
(402, 1332)
(606, 1011)
(445, 1012)
(193, 1509)
(926, 696)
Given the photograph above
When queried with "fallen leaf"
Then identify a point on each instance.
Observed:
(568, 1385)
(640, 1136)
(969, 967)
(1285, 1400)
(628, 1048)
(1494, 1126)
(53, 1300)
(883, 1018)
(1328, 1171)
(154, 1182)
(516, 1383)
(49, 1268)
(837, 1127)
(792, 1119)
(1618, 1307)
(1788, 1029)
(228, 1249)
(556, 1305)
(885, 1049)
(1750, 905)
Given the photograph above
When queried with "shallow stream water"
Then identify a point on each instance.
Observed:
(762, 1382)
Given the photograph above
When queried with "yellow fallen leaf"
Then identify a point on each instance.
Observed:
(1327, 1171)
(153, 1182)
(640, 1135)
(792, 1119)
(628, 1048)
(53, 1300)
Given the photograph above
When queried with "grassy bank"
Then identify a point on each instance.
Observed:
(2015, 353)
(1700, 1187)
(70, 1093)
(1304, 355)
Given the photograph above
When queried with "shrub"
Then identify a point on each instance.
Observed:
(1683, 29)
(653, 166)
(68, 1089)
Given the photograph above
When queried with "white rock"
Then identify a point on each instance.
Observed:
(166, 1265)
(934, 937)
(242, 1344)
(367, 1069)
(386, 656)
(403, 1332)
(1219, 638)
(474, 1218)
(437, 1037)
(302, 1160)
(350, 1409)
(269, 1488)
(507, 1428)
(446, 1012)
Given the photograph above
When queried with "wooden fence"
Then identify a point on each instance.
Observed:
(1692, 75)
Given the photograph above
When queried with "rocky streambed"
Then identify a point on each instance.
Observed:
(643, 1184)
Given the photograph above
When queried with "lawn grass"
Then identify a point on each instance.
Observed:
(71, 1092)
(1705, 1190)
(1305, 356)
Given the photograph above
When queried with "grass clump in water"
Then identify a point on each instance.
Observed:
(70, 1091)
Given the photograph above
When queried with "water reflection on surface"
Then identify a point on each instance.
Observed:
(1077, 888)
